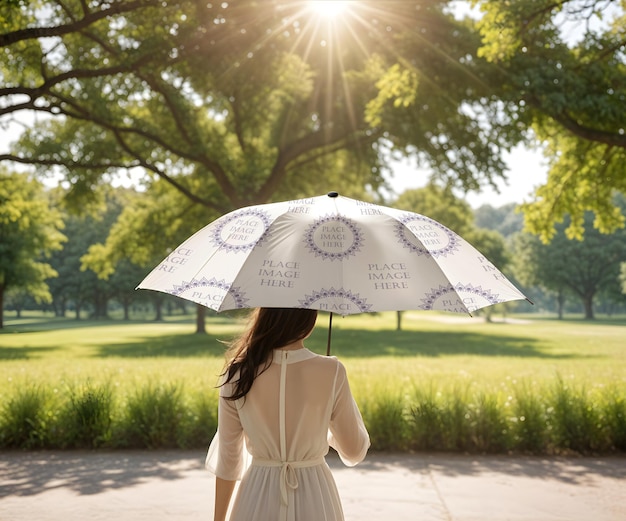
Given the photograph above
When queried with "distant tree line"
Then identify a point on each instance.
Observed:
(60, 263)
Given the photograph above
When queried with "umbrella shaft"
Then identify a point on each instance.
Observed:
(330, 328)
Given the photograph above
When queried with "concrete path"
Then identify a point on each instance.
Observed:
(172, 485)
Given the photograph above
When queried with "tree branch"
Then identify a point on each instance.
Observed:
(67, 164)
(170, 180)
(319, 140)
(116, 7)
(588, 133)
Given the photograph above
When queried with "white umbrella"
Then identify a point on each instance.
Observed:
(330, 253)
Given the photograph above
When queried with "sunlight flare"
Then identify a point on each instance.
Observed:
(329, 8)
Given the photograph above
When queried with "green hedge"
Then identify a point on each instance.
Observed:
(554, 419)
(551, 419)
(94, 416)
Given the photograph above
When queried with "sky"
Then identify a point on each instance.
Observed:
(526, 171)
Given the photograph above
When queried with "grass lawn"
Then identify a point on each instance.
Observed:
(437, 348)
(433, 355)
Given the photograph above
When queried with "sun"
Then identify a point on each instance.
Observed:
(328, 8)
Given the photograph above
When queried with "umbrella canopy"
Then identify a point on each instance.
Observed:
(330, 253)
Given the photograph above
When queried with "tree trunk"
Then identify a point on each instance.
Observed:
(588, 303)
(59, 306)
(200, 316)
(1, 307)
(560, 303)
(100, 306)
(158, 304)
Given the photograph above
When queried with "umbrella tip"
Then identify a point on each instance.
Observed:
(333, 194)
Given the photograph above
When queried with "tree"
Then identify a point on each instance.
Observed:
(78, 286)
(18, 299)
(534, 266)
(245, 102)
(564, 76)
(584, 268)
(122, 283)
(149, 226)
(29, 232)
(611, 299)
(505, 219)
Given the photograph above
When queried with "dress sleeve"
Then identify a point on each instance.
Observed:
(226, 457)
(347, 433)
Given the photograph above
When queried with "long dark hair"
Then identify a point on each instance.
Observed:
(268, 329)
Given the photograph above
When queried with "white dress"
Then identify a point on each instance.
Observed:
(294, 410)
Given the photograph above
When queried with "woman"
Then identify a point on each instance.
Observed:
(284, 405)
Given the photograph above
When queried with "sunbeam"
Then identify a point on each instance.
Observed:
(337, 40)
(328, 8)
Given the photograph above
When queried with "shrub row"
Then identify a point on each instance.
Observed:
(554, 419)
(93, 416)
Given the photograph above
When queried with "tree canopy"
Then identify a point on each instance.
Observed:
(240, 103)
(245, 102)
(583, 268)
(564, 77)
(29, 232)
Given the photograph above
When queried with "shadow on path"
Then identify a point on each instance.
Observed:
(571, 470)
(88, 473)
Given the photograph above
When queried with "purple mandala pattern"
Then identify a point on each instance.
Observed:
(238, 297)
(233, 292)
(442, 291)
(333, 293)
(326, 252)
(179, 289)
(450, 246)
(248, 228)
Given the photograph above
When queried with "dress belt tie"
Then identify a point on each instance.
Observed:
(288, 476)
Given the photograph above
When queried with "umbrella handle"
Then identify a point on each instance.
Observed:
(330, 327)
